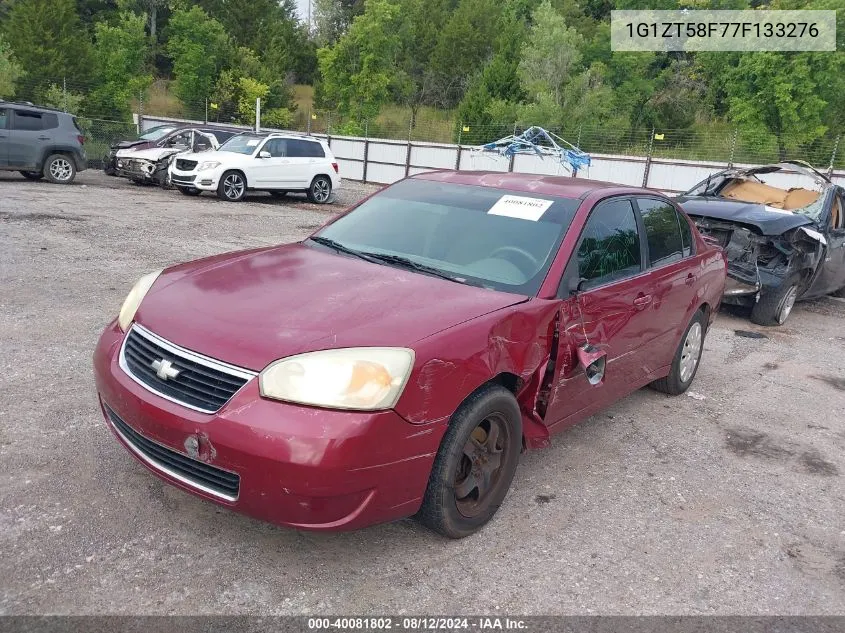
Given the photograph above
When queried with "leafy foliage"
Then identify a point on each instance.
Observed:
(10, 70)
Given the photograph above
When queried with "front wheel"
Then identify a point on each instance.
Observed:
(320, 190)
(189, 191)
(839, 293)
(232, 187)
(32, 175)
(475, 464)
(686, 360)
(775, 304)
(59, 169)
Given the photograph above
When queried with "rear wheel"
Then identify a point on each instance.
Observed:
(686, 360)
(189, 191)
(32, 175)
(775, 305)
(232, 186)
(320, 190)
(839, 293)
(475, 464)
(60, 169)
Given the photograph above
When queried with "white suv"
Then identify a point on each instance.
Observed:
(272, 162)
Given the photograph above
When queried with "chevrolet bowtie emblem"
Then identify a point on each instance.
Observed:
(164, 369)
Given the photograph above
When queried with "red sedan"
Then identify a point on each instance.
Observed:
(398, 361)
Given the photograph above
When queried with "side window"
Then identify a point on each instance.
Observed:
(183, 139)
(837, 209)
(4, 118)
(26, 120)
(278, 147)
(313, 150)
(609, 248)
(662, 230)
(49, 121)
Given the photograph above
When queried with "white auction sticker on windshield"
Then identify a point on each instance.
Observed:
(252, 142)
(521, 207)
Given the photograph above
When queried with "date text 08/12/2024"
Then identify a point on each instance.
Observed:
(416, 624)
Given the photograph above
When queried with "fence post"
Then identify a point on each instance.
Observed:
(833, 156)
(366, 149)
(140, 111)
(64, 92)
(257, 114)
(578, 140)
(205, 120)
(308, 123)
(458, 156)
(733, 148)
(648, 159)
(329, 129)
(408, 152)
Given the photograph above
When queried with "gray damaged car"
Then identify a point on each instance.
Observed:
(782, 244)
(150, 165)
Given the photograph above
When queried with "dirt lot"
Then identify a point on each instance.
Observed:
(727, 500)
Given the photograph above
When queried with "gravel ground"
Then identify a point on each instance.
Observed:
(728, 500)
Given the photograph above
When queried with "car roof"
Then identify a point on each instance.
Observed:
(560, 186)
(31, 106)
(291, 135)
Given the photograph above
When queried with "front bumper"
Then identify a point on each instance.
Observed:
(298, 466)
(203, 180)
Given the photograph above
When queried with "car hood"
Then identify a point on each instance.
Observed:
(767, 220)
(128, 144)
(153, 153)
(254, 307)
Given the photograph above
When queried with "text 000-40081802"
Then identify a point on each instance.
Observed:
(716, 30)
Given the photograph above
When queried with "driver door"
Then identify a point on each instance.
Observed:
(831, 277)
(611, 312)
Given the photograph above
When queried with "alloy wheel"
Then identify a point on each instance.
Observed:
(321, 190)
(61, 170)
(233, 187)
(480, 468)
(788, 303)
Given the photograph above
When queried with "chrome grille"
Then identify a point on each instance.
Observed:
(193, 380)
(211, 479)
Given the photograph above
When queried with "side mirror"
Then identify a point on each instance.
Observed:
(594, 362)
(264, 154)
(576, 285)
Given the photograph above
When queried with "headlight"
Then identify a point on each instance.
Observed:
(134, 299)
(210, 164)
(365, 378)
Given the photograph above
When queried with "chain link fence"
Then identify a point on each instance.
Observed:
(715, 142)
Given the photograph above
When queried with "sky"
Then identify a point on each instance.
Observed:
(303, 9)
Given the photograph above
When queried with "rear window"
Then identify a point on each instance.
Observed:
(49, 121)
(663, 231)
(26, 120)
(305, 149)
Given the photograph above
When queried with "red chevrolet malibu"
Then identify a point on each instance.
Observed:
(399, 360)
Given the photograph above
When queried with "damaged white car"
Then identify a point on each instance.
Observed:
(784, 243)
(151, 165)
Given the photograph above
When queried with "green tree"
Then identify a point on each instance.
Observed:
(465, 44)
(359, 71)
(551, 55)
(777, 94)
(332, 18)
(10, 70)
(198, 48)
(50, 42)
(120, 53)
(57, 97)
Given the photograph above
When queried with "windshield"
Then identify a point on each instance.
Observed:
(499, 239)
(241, 144)
(155, 133)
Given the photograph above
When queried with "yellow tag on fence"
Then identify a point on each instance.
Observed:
(658, 137)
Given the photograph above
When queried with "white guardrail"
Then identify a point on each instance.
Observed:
(384, 161)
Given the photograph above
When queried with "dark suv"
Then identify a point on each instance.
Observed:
(40, 142)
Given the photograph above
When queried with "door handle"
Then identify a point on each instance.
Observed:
(690, 280)
(642, 302)
(43, 138)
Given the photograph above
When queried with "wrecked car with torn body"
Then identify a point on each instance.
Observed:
(784, 242)
(151, 165)
(398, 360)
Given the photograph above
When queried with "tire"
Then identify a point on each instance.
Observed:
(444, 509)
(775, 306)
(32, 175)
(232, 187)
(59, 169)
(279, 194)
(839, 293)
(108, 166)
(687, 358)
(189, 191)
(320, 190)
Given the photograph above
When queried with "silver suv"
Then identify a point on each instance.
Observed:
(40, 142)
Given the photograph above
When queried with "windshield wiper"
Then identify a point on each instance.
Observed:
(340, 248)
(404, 262)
